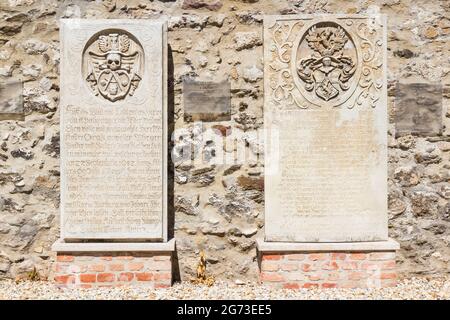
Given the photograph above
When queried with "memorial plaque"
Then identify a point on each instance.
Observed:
(11, 100)
(418, 109)
(113, 129)
(206, 101)
(325, 116)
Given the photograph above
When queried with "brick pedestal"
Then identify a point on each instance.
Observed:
(328, 265)
(88, 265)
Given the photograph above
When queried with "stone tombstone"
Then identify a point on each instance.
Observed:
(113, 130)
(418, 108)
(11, 100)
(326, 128)
(206, 100)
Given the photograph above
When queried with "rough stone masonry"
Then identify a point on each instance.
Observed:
(217, 208)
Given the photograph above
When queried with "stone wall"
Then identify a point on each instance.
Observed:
(216, 208)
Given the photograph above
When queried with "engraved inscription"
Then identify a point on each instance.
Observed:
(418, 109)
(330, 182)
(326, 121)
(113, 145)
(206, 101)
(340, 163)
(113, 170)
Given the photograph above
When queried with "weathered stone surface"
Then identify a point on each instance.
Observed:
(11, 100)
(113, 130)
(252, 74)
(247, 40)
(248, 183)
(22, 153)
(34, 46)
(110, 5)
(418, 109)
(424, 203)
(406, 142)
(186, 206)
(326, 156)
(231, 169)
(206, 101)
(409, 55)
(212, 5)
(407, 176)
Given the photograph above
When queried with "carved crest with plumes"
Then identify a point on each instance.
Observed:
(328, 70)
(114, 66)
(332, 61)
(114, 42)
(326, 41)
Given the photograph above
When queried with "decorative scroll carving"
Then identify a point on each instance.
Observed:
(371, 82)
(325, 63)
(325, 98)
(281, 80)
(113, 65)
(328, 70)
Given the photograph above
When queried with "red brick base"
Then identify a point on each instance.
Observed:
(328, 269)
(88, 270)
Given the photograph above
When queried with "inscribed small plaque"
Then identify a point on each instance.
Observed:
(418, 109)
(206, 101)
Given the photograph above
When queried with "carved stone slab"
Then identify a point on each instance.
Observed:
(326, 121)
(206, 100)
(11, 100)
(113, 129)
(418, 109)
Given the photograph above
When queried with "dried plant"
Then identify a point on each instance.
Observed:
(202, 278)
(33, 275)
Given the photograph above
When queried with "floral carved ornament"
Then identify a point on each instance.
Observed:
(325, 66)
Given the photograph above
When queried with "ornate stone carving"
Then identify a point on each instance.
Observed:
(328, 69)
(112, 64)
(333, 62)
(113, 129)
(325, 123)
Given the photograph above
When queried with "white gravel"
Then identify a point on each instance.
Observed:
(414, 288)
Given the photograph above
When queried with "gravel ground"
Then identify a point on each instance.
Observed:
(415, 288)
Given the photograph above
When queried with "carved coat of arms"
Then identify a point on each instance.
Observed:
(334, 61)
(328, 70)
(113, 66)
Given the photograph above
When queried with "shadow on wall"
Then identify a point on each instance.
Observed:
(170, 166)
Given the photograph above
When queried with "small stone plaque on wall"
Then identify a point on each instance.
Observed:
(11, 100)
(206, 101)
(418, 109)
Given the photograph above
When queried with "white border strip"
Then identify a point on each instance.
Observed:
(388, 245)
(61, 246)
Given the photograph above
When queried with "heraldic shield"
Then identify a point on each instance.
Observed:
(114, 64)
